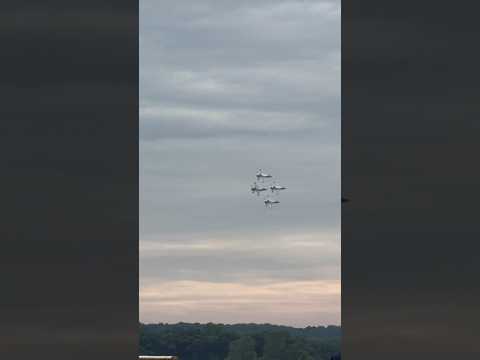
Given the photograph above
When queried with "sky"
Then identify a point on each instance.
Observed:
(226, 88)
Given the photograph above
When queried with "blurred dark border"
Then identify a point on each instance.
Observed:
(410, 149)
(69, 200)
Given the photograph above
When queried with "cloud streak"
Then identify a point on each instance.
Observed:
(309, 302)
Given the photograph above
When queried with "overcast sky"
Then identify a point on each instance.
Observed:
(226, 88)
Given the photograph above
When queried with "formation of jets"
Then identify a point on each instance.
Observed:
(274, 188)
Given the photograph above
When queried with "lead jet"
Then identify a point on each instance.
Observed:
(261, 175)
(269, 203)
(255, 189)
(276, 187)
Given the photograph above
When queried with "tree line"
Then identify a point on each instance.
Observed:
(240, 341)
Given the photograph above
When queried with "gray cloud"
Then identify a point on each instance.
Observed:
(226, 88)
(248, 259)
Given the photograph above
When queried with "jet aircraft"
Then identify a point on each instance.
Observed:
(256, 189)
(269, 203)
(276, 187)
(260, 175)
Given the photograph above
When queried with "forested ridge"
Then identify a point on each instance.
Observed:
(240, 341)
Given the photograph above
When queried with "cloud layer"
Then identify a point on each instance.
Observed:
(195, 301)
(226, 88)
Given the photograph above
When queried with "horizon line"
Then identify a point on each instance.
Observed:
(230, 324)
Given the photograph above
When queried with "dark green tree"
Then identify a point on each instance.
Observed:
(275, 346)
(242, 349)
(212, 341)
(304, 356)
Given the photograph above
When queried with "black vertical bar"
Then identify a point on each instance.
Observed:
(409, 153)
(69, 200)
